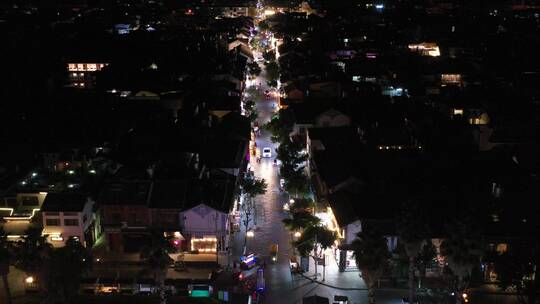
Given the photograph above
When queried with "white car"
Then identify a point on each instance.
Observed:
(267, 152)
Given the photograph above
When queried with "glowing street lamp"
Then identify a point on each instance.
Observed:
(297, 234)
(29, 280)
(250, 233)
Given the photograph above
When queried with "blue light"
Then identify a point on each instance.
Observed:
(379, 6)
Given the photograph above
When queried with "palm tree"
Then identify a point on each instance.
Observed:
(463, 249)
(64, 269)
(31, 254)
(371, 255)
(157, 260)
(412, 230)
(5, 259)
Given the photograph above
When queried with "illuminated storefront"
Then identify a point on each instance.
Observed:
(204, 244)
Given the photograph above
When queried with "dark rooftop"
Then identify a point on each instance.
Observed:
(64, 202)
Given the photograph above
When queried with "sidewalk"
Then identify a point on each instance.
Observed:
(349, 280)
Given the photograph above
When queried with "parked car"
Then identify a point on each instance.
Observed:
(267, 152)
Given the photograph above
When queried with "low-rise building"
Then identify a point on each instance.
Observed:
(70, 215)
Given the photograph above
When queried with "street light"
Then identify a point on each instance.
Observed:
(297, 234)
(250, 233)
(291, 201)
(29, 280)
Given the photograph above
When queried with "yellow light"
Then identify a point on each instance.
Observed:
(269, 12)
(250, 233)
(29, 280)
(297, 234)
(57, 238)
(7, 209)
(177, 234)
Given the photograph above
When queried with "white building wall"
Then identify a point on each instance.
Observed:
(351, 230)
(202, 220)
(68, 231)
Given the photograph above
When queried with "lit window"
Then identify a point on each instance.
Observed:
(57, 238)
(458, 111)
(502, 248)
(81, 84)
(72, 67)
(74, 74)
(91, 67)
(80, 67)
(451, 78)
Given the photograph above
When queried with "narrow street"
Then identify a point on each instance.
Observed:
(281, 285)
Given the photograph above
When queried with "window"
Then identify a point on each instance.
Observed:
(91, 67)
(72, 67)
(71, 222)
(70, 214)
(451, 78)
(52, 222)
(30, 201)
(502, 248)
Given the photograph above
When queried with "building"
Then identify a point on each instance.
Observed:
(83, 75)
(205, 219)
(70, 215)
(125, 214)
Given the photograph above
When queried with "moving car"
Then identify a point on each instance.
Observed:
(267, 152)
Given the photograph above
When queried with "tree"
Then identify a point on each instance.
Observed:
(300, 221)
(315, 239)
(291, 155)
(31, 254)
(263, 26)
(254, 68)
(270, 57)
(425, 257)
(271, 83)
(5, 259)
(412, 230)
(463, 249)
(297, 182)
(64, 268)
(280, 126)
(272, 71)
(251, 110)
(371, 255)
(519, 269)
(305, 205)
(156, 257)
(251, 187)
